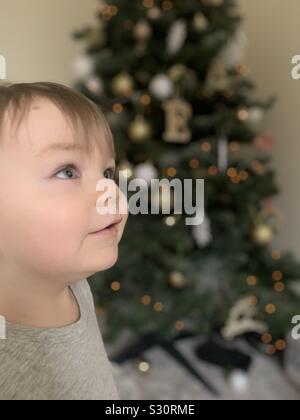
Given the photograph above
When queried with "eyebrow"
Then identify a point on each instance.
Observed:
(56, 147)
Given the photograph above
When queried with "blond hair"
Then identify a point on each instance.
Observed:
(86, 118)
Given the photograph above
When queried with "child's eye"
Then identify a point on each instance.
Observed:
(110, 173)
(68, 170)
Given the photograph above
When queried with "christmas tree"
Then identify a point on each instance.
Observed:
(170, 77)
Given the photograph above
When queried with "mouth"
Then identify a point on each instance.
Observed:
(109, 229)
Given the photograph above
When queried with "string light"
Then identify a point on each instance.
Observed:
(158, 307)
(253, 300)
(270, 309)
(234, 146)
(232, 172)
(277, 275)
(170, 221)
(148, 3)
(244, 175)
(258, 167)
(114, 10)
(213, 170)
(280, 345)
(145, 100)
(143, 366)
(146, 300)
(167, 5)
(179, 326)
(251, 281)
(171, 172)
(276, 255)
(118, 108)
(108, 11)
(206, 147)
(271, 350)
(116, 286)
(279, 287)
(236, 179)
(194, 163)
(266, 338)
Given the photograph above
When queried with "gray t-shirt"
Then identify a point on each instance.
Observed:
(68, 363)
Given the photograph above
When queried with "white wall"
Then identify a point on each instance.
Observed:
(273, 29)
(35, 37)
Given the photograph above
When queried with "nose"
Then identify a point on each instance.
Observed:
(113, 196)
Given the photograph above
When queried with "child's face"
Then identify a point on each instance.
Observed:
(47, 214)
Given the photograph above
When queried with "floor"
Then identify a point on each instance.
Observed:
(166, 380)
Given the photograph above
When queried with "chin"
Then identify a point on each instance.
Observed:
(106, 261)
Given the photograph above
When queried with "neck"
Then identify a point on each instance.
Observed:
(36, 302)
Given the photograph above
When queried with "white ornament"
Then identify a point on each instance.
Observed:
(239, 381)
(234, 52)
(202, 233)
(162, 87)
(146, 171)
(177, 36)
(256, 115)
(83, 67)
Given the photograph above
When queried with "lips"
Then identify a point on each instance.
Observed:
(115, 222)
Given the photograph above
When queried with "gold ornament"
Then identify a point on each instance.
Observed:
(178, 113)
(269, 221)
(177, 280)
(123, 84)
(263, 234)
(140, 130)
(200, 22)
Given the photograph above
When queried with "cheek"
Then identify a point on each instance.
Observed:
(40, 227)
(57, 223)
